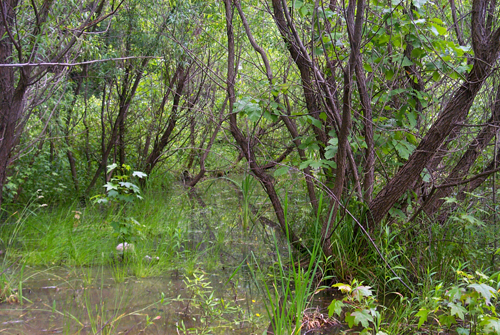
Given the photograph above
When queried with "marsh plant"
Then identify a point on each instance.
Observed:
(467, 308)
(121, 191)
(210, 312)
(289, 292)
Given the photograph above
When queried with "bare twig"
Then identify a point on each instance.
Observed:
(79, 63)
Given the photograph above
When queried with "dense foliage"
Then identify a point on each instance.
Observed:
(370, 126)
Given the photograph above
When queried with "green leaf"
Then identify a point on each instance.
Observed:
(485, 290)
(422, 313)
(450, 200)
(403, 148)
(362, 316)
(436, 76)
(438, 29)
(457, 310)
(112, 193)
(330, 151)
(111, 167)
(110, 186)
(491, 325)
(389, 74)
(412, 118)
(305, 164)
(281, 171)
(350, 319)
(447, 320)
(335, 308)
(367, 67)
(361, 292)
(406, 62)
(418, 53)
(317, 123)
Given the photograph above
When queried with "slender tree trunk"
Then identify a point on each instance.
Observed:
(244, 145)
(161, 143)
(125, 101)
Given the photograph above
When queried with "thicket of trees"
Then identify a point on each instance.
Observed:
(388, 110)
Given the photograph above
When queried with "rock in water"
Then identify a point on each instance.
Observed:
(123, 247)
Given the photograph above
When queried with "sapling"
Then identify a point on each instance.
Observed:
(120, 191)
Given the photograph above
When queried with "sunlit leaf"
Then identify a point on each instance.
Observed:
(422, 314)
(486, 291)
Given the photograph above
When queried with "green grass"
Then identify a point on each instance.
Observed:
(191, 240)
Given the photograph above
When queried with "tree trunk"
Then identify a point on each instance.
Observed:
(486, 50)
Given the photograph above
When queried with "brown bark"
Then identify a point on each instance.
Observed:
(289, 122)
(12, 96)
(13, 116)
(486, 49)
(463, 166)
(243, 143)
(458, 31)
(125, 100)
(162, 142)
(203, 158)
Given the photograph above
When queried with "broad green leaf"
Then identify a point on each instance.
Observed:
(361, 292)
(447, 320)
(422, 314)
(335, 308)
(491, 325)
(402, 148)
(457, 310)
(330, 151)
(305, 164)
(350, 319)
(112, 193)
(316, 164)
(362, 316)
(485, 290)
(436, 76)
(418, 53)
(412, 118)
(317, 123)
(110, 186)
(406, 62)
(438, 29)
(389, 74)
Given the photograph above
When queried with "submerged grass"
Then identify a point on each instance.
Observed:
(176, 235)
